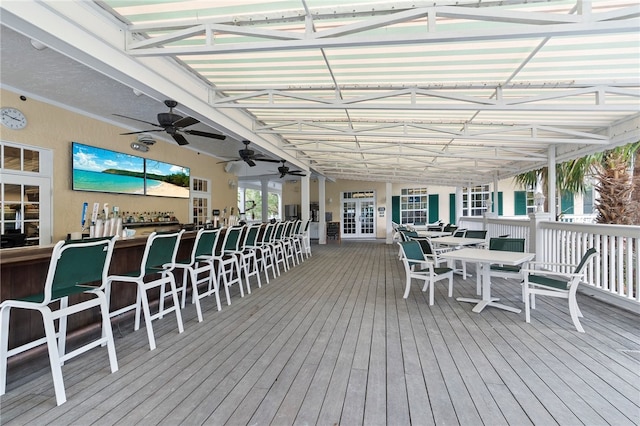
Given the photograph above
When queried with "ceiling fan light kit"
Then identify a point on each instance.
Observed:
(141, 147)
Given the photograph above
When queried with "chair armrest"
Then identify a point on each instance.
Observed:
(568, 265)
(566, 276)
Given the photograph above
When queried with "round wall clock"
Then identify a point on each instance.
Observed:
(13, 118)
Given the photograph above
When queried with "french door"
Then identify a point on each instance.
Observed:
(26, 207)
(358, 218)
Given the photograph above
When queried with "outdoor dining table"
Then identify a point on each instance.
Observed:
(433, 234)
(444, 244)
(457, 241)
(484, 258)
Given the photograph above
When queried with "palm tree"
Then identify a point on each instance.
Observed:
(615, 186)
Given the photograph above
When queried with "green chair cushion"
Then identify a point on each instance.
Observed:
(505, 268)
(548, 282)
(56, 294)
(439, 270)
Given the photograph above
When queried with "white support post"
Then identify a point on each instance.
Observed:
(535, 234)
(305, 208)
(551, 182)
(322, 223)
(387, 208)
(264, 188)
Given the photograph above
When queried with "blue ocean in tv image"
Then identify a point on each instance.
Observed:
(103, 170)
(98, 181)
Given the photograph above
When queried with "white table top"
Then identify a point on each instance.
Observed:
(511, 258)
(458, 241)
(432, 234)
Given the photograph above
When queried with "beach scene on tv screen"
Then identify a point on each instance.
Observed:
(97, 169)
(167, 180)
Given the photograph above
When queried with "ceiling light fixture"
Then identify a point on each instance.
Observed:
(38, 45)
(136, 146)
(146, 139)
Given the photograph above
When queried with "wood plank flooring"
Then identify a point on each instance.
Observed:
(332, 341)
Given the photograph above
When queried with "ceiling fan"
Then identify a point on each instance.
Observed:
(249, 156)
(174, 125)
(284, 170)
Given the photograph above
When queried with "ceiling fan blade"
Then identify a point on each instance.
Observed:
(136, 119)
(297, 174)
(141, 131)
(185, 122)
(180, 139)
(282, 175)
(250, 162)
(229, 161)
(205, 134)
(267, 160)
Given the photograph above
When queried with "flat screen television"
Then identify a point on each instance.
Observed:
(102, 170)
(166, 180)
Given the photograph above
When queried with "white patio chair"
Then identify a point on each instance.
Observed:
(556, 284)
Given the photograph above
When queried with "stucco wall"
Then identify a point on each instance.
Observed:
(55, 128)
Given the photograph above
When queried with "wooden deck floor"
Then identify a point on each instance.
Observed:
(333, 342)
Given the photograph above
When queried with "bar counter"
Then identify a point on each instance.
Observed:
(23, 272)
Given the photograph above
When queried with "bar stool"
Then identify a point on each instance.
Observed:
(265, 248)
(228, 264)
(158, 263)
(252, 242)
(74, 266)
(199, 269)
(279, 249)
(248, 256)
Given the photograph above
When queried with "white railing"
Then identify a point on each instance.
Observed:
(616, 270)
(578, 218)
(500, 227)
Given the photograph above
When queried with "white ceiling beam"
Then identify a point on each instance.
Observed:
(428, 100)
(525, 25)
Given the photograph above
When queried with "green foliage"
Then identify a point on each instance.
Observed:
(255, 196)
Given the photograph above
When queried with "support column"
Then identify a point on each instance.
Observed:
(458, 204)
(495, 205)
(264, 183)
(305, 198)
(387, 211)
(551, 183)
(322, 223)
(535, 234)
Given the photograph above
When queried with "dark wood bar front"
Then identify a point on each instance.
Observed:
(23, 272)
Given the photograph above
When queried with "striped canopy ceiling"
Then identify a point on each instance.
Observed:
(447, 92)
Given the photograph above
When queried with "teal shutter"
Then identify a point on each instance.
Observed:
(434, 208)
(520, 203)
(395, 208)
(566, 204)
(499, 202)
(452, 208)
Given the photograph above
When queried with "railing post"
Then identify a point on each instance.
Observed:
(535, 233)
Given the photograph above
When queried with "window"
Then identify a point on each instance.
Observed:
(476, 200)
(587, 201)
(524, 202)
(200, 201)
(24, 192)
(414, 205)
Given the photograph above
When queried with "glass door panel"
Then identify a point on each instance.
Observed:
(349, 218)
(366, 218)
(23, 210)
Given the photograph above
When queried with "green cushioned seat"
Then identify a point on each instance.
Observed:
(505, 268)
(549, 282)
(413, 256)
(76, 267)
